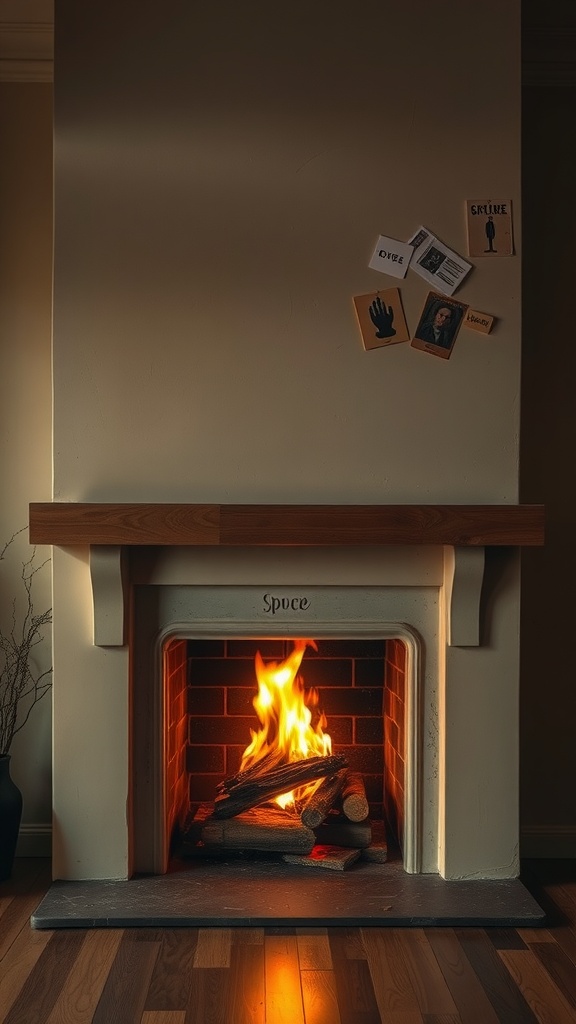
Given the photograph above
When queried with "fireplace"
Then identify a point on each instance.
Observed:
(195, 697)
(163, 578)
(347, 695)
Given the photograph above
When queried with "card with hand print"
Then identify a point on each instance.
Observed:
(381, 318)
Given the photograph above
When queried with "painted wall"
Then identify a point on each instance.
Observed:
(219, 192)
(25, 456)
(25, 402)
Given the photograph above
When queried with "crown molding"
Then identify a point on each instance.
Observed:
(26, 51)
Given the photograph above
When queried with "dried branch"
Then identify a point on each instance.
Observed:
(21, 684)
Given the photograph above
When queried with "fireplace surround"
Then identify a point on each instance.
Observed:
(339, 617)
(443, 579)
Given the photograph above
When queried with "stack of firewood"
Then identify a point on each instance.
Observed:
(332, 828)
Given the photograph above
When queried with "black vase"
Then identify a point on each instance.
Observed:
(10, 817)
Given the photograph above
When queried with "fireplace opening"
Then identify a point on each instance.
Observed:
(356, 691)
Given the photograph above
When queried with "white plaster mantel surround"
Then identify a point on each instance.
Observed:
(449, 585)
(463, 573)
(302, 525)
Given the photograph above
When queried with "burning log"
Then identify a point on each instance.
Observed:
(266, 829)
(257, 790)
(266, 763)
(354, 802)
(377, 851)
(336, 830)
(322, 799)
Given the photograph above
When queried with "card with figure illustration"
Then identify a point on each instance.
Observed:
(439, 324)
(381, 318)
(489, 224)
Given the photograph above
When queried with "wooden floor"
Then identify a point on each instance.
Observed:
(289, 976)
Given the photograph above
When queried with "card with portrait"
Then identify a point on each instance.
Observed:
(439, 323)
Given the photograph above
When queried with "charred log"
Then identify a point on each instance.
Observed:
(354, 801)
(243, 794)
(322, 800)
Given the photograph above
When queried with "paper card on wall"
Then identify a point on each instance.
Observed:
(381, 318)
(443, 268)
(439, 324)
(489, 223)
(391, 256)
(476, 321)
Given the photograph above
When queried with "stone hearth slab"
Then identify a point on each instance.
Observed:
(234, 893)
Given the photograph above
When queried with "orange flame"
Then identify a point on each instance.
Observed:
(286, 711)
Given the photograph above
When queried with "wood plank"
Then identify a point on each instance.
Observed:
(348, 944)
(508, 1002)
(25, 873)
(17, 913)
(85, 981)
(465, 988)
(314, 952)
(170, 983)
(395, 994)
(208, 996)
(427, 980)
(381, 524)
(539, 991)
(320, 997)
(505, 938)
(284, 1003)
(127, 983)
(18, 963)
(73, 523)
(43, 985)
(356, 997)
(530, 935)
(441, 1018)
(246, 990)
(213, 948)
(248, 937)
(163, 1017)
(565, 897)
(565, 937)
(559, 967)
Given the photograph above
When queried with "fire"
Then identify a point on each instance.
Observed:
(286, 712)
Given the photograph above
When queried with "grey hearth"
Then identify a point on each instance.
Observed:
(264, 893)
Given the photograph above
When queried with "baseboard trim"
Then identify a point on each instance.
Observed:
(554, 841)
(34, 841)
(538, 841)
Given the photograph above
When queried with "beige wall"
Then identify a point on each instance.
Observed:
(547, 766)
(217, 204)
(217, 201)
(25, 392)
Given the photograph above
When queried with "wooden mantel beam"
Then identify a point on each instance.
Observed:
(67, 524)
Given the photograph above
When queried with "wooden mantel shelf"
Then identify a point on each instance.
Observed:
(67, 524)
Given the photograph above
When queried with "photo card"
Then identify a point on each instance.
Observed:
(381, 318)
(439, 323)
